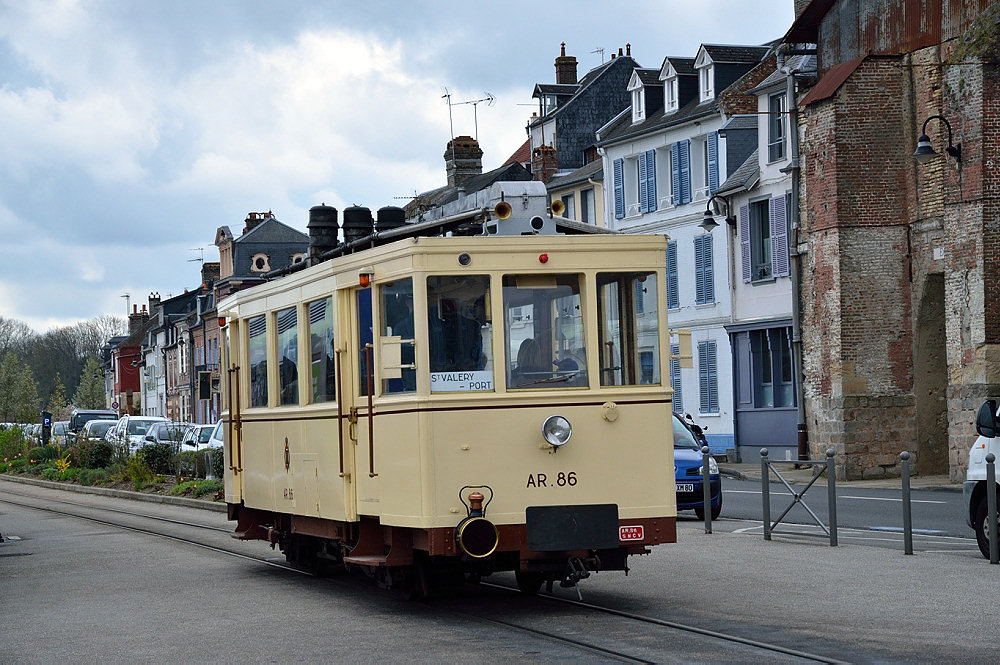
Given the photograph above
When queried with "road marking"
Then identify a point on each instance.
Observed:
(839, 496)
(899, 529)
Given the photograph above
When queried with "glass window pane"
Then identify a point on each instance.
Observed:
(288, 356)
(629, 328)
(460, 341)
(257, 347)
(322, 358)
(545, 345)
(397, 319)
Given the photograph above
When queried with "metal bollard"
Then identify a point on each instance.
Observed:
(706, 488)
(907, 518)
(765, 493)
(991, 506)
(208, 466)
(831, 489)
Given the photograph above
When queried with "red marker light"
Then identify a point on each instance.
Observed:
(543, 258)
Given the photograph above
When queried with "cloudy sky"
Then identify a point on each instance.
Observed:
(130, 130)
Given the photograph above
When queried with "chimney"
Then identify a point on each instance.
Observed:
(255, 219)
(463, 159)
(137, 318)
(544, 163)
(209, 273)
(565, 67)
(154, 302)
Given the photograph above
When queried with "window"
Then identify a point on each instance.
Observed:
(322, 355)
(675, 377)
(546, 348)
(706, 83)
(257, 347)
(703, 272)
(764, 239)
(670, 95)
(588, 214)
(259, 263)
(397, 321)
(775, 127)
(708, 380)
(460, 340)
(570, 202)
(288, 357)
(627, 331)
(673, 297)
(770, 368)
(638, 105)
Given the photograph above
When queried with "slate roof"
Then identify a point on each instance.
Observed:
(683, 66)
(592, 171)
(438, 197)
(743, 178)
(273, 231)
(555, 89)
(649, 77)
(803, 63)
(731, 54)
(621, 128)
(587, 79)
(740, 121)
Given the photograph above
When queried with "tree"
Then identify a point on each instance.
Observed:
(90, 393)
(14, 336)
(57, 401)
(18, 392)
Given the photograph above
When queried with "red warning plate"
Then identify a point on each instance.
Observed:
(630, 533)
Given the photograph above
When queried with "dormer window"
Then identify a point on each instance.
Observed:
(638, 105)
(670, 95)
(706, 75)
(259, 263)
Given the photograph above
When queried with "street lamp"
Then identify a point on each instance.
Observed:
(708, 220)
(925, 153)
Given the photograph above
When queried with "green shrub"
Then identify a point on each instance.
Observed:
(17, 465)
(138, 472)
(100, 455)
(190, 463)
(218, 462)
(92, 476)
(208, 487)
(69, 475)
(183, 488)
(50, 473)
(12, 443)
(159, 456)
(42, 453)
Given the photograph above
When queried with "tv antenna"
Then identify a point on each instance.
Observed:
(599, 49)
(489, 99)
(201, 254)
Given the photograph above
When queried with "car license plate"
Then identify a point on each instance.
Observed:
(685, 487)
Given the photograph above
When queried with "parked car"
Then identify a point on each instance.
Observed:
(80, 417)
(95, 429)
(198, 437)
(218, 434)
(167, 432)
(59, 436)
(687, 472)
(131, 430)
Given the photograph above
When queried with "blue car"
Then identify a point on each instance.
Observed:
(687, 470)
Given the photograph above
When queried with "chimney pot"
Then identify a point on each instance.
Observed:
(628, 49)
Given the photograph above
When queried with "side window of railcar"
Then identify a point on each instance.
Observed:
(288, 356)
(460, 339)
(257, 348)
(323, 378)
(544, 332)
(397, 319)
(629, 331)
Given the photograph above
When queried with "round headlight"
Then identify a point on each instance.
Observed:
(556, 430)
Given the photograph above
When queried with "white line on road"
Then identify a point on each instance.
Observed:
(839, 496)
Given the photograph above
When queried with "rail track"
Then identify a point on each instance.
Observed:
(588, 628)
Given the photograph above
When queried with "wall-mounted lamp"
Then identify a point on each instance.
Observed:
(708, 221)
(925, 153)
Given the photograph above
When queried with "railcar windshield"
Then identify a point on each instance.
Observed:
(397, 320)
(460, 340)
(544, 332)
(288, 356)
(323, 376)
(629, 328)
(257, 344)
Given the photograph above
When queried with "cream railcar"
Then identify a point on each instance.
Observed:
(456, 405)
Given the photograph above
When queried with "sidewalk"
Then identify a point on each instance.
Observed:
(801, 476)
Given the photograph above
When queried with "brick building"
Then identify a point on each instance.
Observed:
(900, 290)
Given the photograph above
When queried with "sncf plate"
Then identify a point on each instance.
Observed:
(630, 533)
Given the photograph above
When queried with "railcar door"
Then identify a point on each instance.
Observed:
(357, 386)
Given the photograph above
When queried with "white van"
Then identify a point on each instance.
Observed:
(974, 488)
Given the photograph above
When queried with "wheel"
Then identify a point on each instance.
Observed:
(716, 510)
(982, 527)
(529, 583)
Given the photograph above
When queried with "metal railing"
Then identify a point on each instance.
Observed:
(766, 469)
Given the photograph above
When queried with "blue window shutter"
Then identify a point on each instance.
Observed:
(699, 270)
(779, 236)
(713, 162)
(685, 159)
(651, 180)
(673, 293)
(675, 377)
(707, 378)
(675, 172)
(745, 242)
(619, 177)
(643, 201)
(708, 276)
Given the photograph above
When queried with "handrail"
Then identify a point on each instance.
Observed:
(369, 371)
(340, 409)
